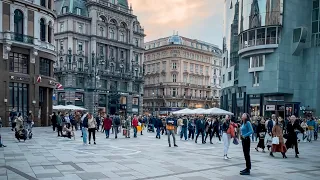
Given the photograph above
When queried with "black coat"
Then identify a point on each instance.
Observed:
(292, 136)
(261, 128)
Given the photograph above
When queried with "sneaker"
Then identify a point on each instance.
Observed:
(247, 172)
(243, 170)
(169, 145)
(225, 158)
(228, 157)
(175, 145)
(94, 142)
(89, 142)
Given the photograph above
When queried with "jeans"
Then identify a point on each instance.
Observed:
(226, 142)
(217, 132)
(59, 130)
(171, 132)
(135, 130)
(107, 131)
(183, 133)
(116, 131)
(191, 134)
(84, 135)
(158, 132)
(310, 134)
(246, 151)
(253, 136)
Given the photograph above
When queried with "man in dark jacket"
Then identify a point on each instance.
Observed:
(184, 128)
(200, 125)
(216, 128)
(191, 129)
(158, 124)
(54, 121)
(292, 127)
(116, 123)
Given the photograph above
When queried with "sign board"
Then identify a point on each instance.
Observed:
(270, 107)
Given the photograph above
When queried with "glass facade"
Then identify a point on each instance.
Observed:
(18, 97)
(259, 13)
(19, 63)
(315, 23)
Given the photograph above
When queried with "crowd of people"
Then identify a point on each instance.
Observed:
(275, 134)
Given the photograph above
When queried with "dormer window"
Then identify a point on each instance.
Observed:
(43, 3)
(78, 11)
(64, 9)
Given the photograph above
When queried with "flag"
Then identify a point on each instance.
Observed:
(39, 79)
(59, 86)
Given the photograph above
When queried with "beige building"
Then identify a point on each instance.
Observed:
(178, 74)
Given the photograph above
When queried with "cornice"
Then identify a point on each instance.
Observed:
(175, 46)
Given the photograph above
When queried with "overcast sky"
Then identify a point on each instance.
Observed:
(196, 19)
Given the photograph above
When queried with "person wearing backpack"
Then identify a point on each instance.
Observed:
(184, 127)
(116, 123)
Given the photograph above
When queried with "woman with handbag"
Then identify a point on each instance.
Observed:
(261, 133)
(277, 140)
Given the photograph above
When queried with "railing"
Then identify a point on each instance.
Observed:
(21, 38)
(258, 42)
(46, 45)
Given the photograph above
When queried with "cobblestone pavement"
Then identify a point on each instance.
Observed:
(48, 157)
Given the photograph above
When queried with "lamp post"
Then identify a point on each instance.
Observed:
(96, 63)
(153, 103)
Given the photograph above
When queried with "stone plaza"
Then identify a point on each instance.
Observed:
(48, 157)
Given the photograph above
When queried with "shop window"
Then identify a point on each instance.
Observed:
(61, 98)
(18, 23)
(79, 99)
(18, 97)
(43, 3)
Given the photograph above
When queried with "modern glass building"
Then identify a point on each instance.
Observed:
(275, 69)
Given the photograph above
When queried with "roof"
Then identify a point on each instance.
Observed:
(175, 39)
(123, 2)
(72, 6)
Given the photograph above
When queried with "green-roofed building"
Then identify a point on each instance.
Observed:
(100, 56)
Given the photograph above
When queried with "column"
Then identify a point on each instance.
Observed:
(47, 31)
(234, 104)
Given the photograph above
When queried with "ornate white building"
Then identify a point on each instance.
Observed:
(100, 55)
(180, 73)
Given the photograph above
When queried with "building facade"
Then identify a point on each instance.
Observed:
(27, 57)
(178, 74)
(278, 53)
(100, 56)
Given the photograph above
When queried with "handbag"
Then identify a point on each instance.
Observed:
(235, 141)
(275, 140)
(262, 134)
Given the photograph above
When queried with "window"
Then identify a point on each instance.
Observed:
(121, 54)
(158, 67)
(255, 79)
(185, 79)
(61, 27)
(80, 28)
(78, 11)
(229, 75)
(207, 70)
(18, 23)
(191, 67)
(174, 65)
(112, 67)
(174, 78)
(64, 10)
(256, 61)
(43, 3)
(49, 32)
(101, 50)
(18, 97)
(137, 58)
(214, 82)
(79, 97)
(191, 79)
(196, 69)
(223, 78)
(19, 63)
(201, 69)
(101, 31)
(80, 46)
(185, 66)
(49, 4)
(42, 30)
(44, 67)
(61, 44)
(164, 66)
(122, 37)
(113, 1)
(137, 42)
(111, 34)
(80, 64)
(174, 92)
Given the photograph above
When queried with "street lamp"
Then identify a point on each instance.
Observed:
(96, 63)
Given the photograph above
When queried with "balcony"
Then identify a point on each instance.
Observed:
(262, 40)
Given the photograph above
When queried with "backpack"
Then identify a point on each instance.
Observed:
(117, 121)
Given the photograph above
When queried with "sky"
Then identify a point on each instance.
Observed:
(195, 19)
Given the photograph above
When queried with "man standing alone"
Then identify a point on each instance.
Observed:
(171, 123)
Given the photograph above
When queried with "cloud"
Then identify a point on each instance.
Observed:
(161, 17)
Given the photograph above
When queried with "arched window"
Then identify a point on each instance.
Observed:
(42, 30)
(111, 34)
(43, 3)
(50, 32)
(122, 37)
(18, 22)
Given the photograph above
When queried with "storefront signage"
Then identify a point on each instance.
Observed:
(270, 107)
(19, 78)
(135, 110)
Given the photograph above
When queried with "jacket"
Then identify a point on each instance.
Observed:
(200, 124)
(107, 123)
(158, 124)
(277, 132)
(261, 128)
(270, 126)
(85, 122)
(135, 122)
(292, 136)
(92, 123)
(191, 126)
(59, 120)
